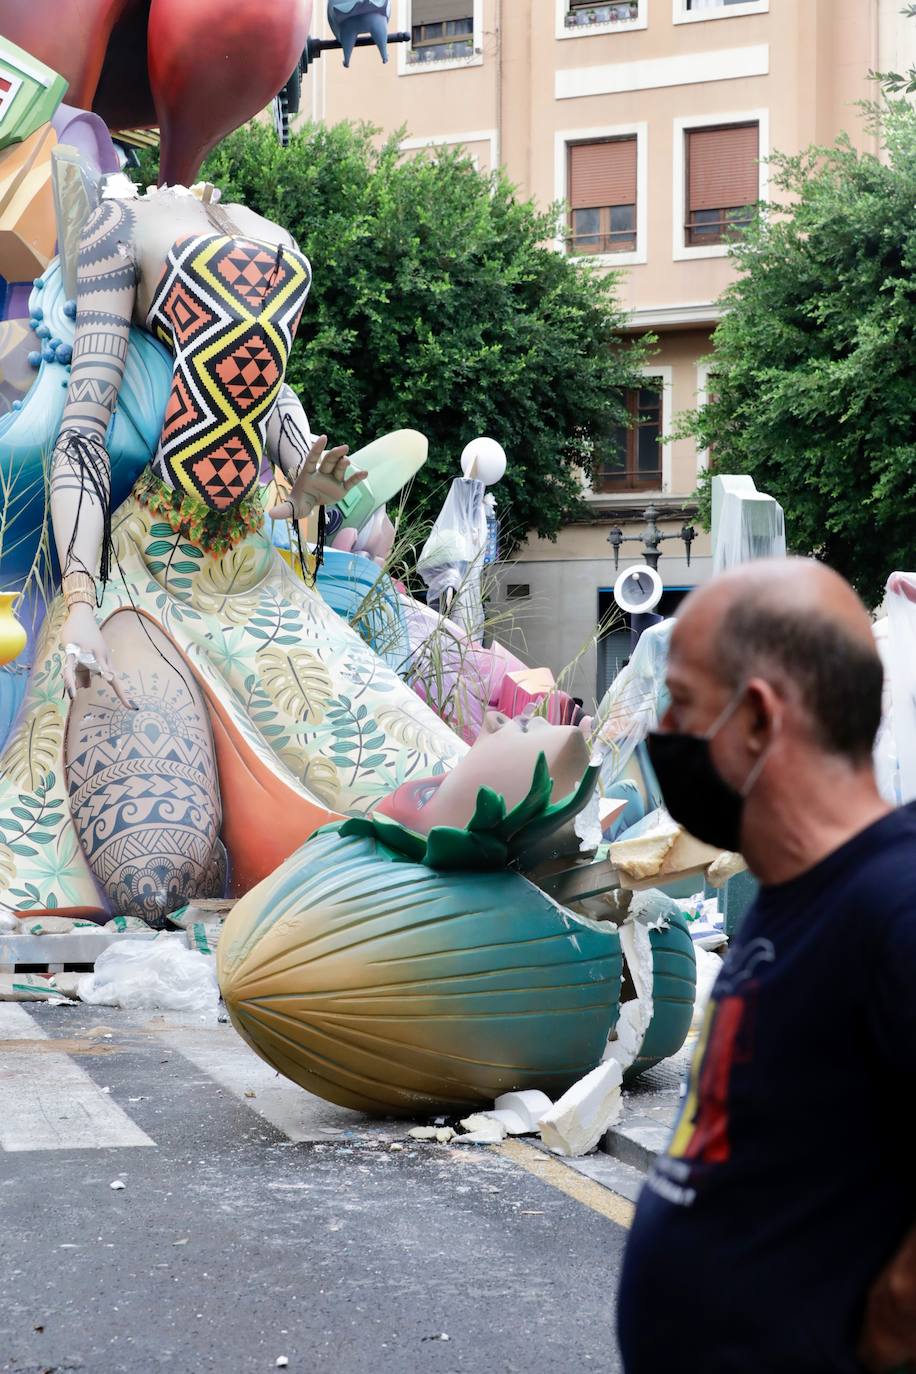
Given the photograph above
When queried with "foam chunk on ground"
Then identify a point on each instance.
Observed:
(583, 1114)
(482, 1129)
(528, 1106)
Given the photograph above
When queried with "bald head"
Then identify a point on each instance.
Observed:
(801, 627)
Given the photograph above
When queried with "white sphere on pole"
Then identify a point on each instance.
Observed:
(486, 459)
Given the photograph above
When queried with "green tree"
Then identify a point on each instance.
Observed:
(812, 380)
(899, 83)
(437, 304)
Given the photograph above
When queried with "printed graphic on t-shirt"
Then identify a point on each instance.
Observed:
(701, 1135)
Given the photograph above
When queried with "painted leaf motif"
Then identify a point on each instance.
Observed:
(401, 728)
(227, 587)
(7, 867)
(34, 748)
(296, 681)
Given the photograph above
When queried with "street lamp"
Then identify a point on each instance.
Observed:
(651, 538)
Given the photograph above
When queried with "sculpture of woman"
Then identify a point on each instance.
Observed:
(245, 712)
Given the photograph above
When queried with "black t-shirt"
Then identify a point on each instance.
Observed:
(790, 1179)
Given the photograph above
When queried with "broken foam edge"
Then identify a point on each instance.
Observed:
(583, 1114)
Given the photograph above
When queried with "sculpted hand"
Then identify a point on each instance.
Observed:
(87, 653)
(322, 481)
(888, 1342)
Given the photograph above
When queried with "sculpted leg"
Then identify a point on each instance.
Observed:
(142, 784)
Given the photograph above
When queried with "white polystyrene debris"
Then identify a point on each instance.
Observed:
(709, 966)
(582, 1115)
(529, 1106)
(441, 1134)
(514, 1124)
(482, 1130)
(636, 1015)
(117, 1185)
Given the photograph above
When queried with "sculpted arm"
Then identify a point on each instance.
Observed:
(316, 474)
(80, 468)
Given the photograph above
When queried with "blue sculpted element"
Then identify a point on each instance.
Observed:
(360, 593)
(350, 18)
(28, 433)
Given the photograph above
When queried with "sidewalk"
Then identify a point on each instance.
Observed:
(650, 1106)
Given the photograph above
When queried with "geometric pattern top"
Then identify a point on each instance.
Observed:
(228, 308)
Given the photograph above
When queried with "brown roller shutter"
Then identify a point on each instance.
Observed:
(602, 174)
(436, 11)
(722, 169)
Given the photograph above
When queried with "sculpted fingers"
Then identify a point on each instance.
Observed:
(353, 479)
(70, 675)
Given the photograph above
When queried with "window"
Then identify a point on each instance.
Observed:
(582, 12)
(441, 30)
(695, 11)
(602, 196)
(723, 178)
(634, 459)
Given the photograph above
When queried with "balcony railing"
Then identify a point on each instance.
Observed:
(623, 11)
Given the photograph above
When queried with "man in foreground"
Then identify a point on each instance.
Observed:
(777, 1232)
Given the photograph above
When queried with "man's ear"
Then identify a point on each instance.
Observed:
(766, 710)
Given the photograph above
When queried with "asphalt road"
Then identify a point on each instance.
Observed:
(257, 1224)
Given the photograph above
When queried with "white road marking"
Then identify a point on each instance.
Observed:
(223, 1056)
(47, 1102)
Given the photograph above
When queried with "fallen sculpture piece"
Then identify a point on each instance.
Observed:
(377, 974)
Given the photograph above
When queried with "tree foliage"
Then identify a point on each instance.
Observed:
(437, 304)
(812, 375)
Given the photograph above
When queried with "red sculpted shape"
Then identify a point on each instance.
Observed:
(198, 68)
(213, 64)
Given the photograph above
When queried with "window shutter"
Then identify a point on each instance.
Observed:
(602, 174)
(722, 170)
(437, 11)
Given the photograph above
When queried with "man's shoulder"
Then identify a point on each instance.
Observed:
(887, 874)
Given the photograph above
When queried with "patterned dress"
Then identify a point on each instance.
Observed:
(306, 721)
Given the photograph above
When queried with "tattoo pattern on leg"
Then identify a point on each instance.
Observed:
(144, 795)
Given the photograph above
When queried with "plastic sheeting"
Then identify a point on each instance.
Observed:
(750, 527)
(895, 751)
(452, 557)
(633, 704)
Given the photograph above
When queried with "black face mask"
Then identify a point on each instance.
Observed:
(694, 792)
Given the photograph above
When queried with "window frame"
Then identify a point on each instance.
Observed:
(682, 15)
(564, 140)
(445, 64)
(704, 366)
(488, 137)
(681, 249)
(594, 30)
(665, 374)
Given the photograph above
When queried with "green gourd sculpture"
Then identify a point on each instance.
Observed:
(398, 973)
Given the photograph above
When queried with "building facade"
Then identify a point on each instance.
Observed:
(652, 120)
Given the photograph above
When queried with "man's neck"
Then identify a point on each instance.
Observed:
(811, 813)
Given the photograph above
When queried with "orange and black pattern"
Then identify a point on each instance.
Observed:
(228, 308)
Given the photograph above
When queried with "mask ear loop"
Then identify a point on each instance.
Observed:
(726, 715)
(761, 763)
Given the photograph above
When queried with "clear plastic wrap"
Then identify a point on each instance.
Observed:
(750, 527)
(452, 557)
(146, 974)
(633, 704)
(900, 665)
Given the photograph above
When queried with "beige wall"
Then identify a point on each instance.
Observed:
(516, 100)
(799, 66)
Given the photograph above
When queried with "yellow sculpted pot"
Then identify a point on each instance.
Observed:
(12, 635)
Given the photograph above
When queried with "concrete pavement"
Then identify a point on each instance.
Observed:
(257, 1224)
